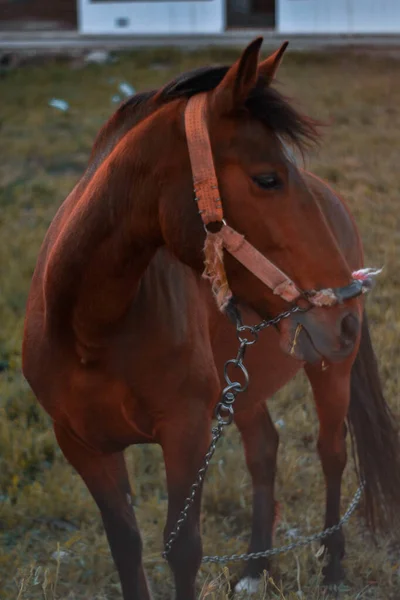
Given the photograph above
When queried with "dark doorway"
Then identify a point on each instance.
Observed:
(257, 14)
(37, 15)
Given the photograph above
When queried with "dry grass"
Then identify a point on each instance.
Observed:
(45, 507)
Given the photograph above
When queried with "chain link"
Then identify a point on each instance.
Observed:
(224, 414)
(216, 434)
(303, 541)
(270, 322)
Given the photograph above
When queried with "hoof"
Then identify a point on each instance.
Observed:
(332, 591)
(248, 585)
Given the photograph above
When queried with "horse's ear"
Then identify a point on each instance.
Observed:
(238, 82)
(267, 68)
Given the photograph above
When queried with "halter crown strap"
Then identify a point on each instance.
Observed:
(204, 178)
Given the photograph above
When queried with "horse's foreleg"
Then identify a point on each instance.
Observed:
(185, 441)
(260, 440)
(107, 480)
(332, 396)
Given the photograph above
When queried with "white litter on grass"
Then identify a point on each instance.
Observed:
(99, 57)
(280, 423)
(293, 533)
(126, 89)
(248, 585)
(115, 99)
(60, 104)
(60, 556)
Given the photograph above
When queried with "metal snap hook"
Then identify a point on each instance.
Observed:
(224, 420)
(244, 328)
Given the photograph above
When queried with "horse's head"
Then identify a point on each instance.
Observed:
(264, 196)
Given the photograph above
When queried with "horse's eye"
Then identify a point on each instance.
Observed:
(268, 181)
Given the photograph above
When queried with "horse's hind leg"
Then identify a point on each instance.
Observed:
(260, 440)
(107, 480)
(184, 441)
(332, 396)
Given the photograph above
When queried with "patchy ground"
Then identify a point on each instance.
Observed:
(45, 510)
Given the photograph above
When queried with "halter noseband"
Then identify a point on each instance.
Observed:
(209, 203)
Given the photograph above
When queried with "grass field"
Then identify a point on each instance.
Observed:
(51, 540)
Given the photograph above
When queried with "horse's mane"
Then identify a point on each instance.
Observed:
(264, 103)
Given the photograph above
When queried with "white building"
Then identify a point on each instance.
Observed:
(165, 17)
(180, 17)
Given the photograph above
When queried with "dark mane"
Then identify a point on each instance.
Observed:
(265, 103)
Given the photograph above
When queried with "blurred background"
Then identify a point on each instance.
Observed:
(65, 66)
(202, 16)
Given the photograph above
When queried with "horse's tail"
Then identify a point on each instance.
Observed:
(375, 439)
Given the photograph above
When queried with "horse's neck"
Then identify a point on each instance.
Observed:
(107, 287)
(339, 218)
(96, 261)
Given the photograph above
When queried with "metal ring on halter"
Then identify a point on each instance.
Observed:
(205, 225)
(240, 366)
(249, 328)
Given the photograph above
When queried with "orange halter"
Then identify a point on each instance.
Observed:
(209, 203)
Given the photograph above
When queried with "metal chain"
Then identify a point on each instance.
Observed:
(224, 414)
(216, 434)
(304, 541)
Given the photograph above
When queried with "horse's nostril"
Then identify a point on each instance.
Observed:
(349, 329)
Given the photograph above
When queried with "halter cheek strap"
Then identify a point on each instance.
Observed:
(208, 199)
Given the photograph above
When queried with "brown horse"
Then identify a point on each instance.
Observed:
(124, 342)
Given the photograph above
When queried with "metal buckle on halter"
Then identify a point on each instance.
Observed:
(222, 221)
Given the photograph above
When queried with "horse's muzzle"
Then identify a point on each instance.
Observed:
(321, 333)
